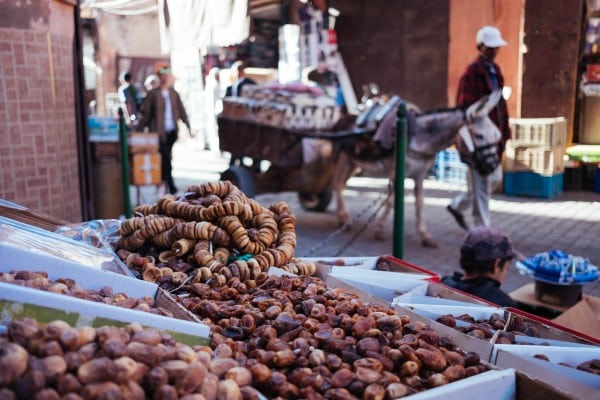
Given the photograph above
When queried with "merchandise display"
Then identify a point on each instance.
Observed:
(558, 267)
(229, 312)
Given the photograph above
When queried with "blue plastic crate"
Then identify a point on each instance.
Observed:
(531, 184)
(447, 155)
(449, 168)
(455, 172)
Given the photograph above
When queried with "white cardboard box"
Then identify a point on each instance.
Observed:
(17, 301)
(14, 258)
(489, 385)
(433, 311)
(440, 291)
(384, 263)
(547, 329)
(36, 240)
(463, 341)
(347, 262)
(386, 290)
(580, 384)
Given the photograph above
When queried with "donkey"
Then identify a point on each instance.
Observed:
(428, 134)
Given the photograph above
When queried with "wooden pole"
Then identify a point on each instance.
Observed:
(400, 149)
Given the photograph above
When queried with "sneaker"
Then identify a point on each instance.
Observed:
(460, 220)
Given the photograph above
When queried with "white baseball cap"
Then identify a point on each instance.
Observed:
(490, 37)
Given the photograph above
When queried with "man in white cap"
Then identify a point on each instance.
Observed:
(481, 78)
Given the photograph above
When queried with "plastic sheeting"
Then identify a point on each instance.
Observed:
(202, 23)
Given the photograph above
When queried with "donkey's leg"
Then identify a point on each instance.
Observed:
(426, 239)
(343, 172)
(379, 231)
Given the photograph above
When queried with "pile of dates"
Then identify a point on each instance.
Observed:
(485, 328)
(481, 329)
(68, 287)
(57, 361)
(302, 339)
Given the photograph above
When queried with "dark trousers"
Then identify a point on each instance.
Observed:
(166, 153)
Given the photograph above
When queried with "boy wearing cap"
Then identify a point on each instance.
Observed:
(481, 78)
(485, 257)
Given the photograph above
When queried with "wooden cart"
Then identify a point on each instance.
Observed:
(283, 149)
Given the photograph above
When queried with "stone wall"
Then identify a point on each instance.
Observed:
(38, 139)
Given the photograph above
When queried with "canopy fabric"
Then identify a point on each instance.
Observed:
(202, 23)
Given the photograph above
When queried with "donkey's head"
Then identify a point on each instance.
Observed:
(479, 130)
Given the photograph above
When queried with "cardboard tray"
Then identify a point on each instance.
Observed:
(570, 381)
(387, 291)
(506, 384)
(433, 311)
(391, 263)
(14, 258)
(51, 248)
(438, 293)
(18, 302)
(25, 215)
(467, 343)
(551, 330)
(583, 317)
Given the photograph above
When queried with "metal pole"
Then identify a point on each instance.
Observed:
(399, 180)
(124, 163)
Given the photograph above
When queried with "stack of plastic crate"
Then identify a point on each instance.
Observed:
(534, 157)
(449, 168)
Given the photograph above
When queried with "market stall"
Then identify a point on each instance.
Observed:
(202, 295)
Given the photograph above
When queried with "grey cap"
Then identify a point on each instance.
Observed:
(488, 244)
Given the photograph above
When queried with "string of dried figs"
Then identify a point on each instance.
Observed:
(202, 235)
(66, 286)
(57, 361)
(302, 339)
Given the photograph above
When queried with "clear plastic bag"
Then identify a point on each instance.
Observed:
(14, 234)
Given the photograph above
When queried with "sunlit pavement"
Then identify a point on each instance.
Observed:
(570, 222)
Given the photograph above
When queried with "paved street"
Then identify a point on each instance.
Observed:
(570, 222)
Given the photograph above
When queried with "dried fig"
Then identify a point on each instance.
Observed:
(228, 390)
(190, 378)
(431, 359)
(13, 362)
(437, 379)
(396, 390)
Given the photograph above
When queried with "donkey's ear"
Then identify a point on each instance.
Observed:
(484, 105)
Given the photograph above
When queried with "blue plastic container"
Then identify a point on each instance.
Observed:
(597, 185)
(449, 168)
(531, 184)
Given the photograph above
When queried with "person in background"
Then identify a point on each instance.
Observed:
(238, 69)
(129, 95)
(214, 106)
(161, 111)
(485, 257)
(482, 77)
(235, 90)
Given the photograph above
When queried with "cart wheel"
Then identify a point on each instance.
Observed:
(316, 201)
(240, 177)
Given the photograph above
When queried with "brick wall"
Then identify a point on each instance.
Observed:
(38, 142)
